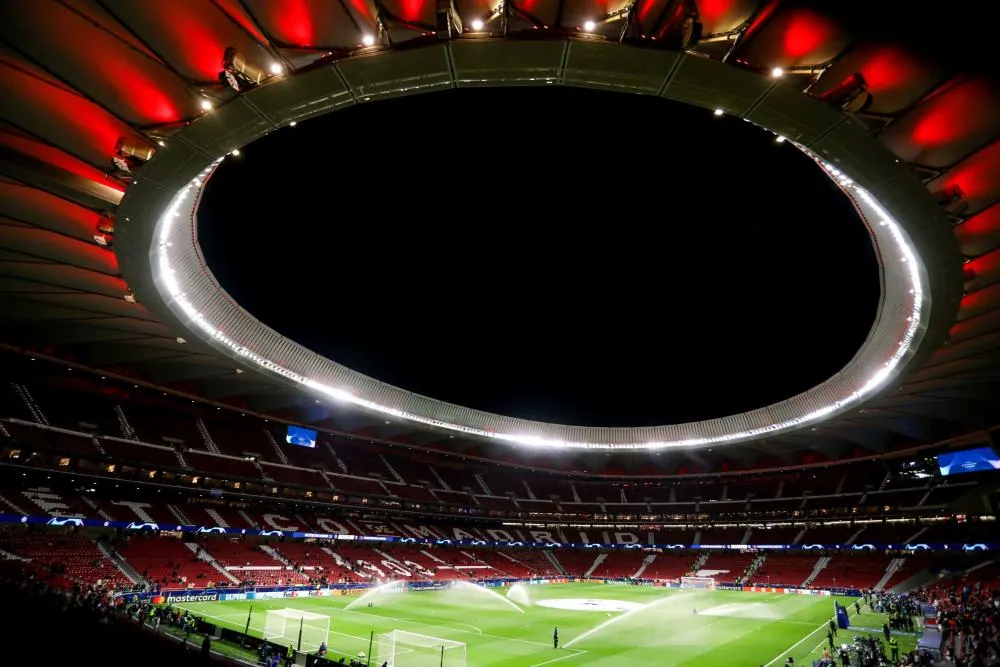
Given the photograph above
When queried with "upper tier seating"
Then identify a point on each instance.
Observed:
(156, 425)
(365, 472)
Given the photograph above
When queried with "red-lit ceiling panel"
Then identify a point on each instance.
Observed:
(724, 15)
(71, 122)
(895, 78)
(9, 58)
(314, 23)
(983, 271)
(234, 9)
(648, 13)
(92, 11)
(52, 275)
(978, 178)
(948, 126)
(981, 233)
(980, 302)
(413, 11)
(986, 324)
(57, 158)
(42, 244)
(38, 208)
(95, 303)
(793, 38)
(103, 68)
(191, 35)
(546, 10)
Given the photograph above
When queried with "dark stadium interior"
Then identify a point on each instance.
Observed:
(517, 302)
(446, 243)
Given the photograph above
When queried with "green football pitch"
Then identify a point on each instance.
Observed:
(599, 624)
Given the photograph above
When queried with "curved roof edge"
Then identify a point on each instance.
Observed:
(919, 255)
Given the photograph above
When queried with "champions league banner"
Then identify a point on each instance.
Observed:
(843, 620)
(76, 522)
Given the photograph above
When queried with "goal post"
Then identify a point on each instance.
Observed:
(303, 630)
(698, 582)
(409, 649)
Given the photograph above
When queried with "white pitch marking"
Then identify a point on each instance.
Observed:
(577, 652)
(799, 643)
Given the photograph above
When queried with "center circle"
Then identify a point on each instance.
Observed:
(562, 255)
(587, 604)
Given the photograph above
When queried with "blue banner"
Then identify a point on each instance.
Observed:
(843, 620)
(651, 548)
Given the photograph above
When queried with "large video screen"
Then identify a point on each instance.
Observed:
(971, 460)
(303, 437)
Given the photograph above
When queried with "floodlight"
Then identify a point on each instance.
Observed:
(368, 40)
(777, 72)
(952, 199)
(241, 75)
(589, 26)
(849, 95)
(477, 24)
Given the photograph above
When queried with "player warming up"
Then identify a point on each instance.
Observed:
(555, 638)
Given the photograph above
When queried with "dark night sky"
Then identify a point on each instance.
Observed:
(565, 255)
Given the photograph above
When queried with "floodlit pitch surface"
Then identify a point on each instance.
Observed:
(599, 624)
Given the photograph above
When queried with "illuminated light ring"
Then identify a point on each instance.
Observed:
(888, 234)
(169, 280)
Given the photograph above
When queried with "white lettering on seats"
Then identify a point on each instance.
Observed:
(219, 521)
(331, 526)
(419, 569)
(626, 538)
(138, 508)
(421, 531)
(500, 535)
(395, 567)
(542, 536)
(273, 519)
(50, 502)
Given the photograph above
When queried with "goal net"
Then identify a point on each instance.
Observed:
(408, 649)
(287, 626)
(698, 582)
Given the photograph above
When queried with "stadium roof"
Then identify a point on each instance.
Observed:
(96, 80)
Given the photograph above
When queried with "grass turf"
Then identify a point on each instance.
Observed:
(730, 629)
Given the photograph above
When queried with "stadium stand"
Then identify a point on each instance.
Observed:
(167, 562)
(74, 556)
(852, 571)
(780, 569)
(181, 456)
